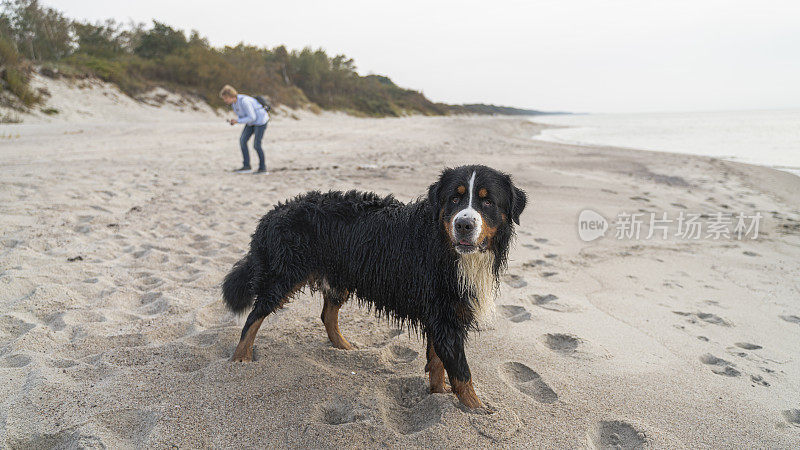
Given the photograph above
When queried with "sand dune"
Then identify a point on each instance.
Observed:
(118, 229)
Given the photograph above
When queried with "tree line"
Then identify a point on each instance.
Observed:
(136, 58)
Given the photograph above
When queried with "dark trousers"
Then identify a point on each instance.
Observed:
(246, 133)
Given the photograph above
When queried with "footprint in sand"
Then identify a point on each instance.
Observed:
(56, 322)
(712, 318)
(792, 416)
(719, 366)
(147, 281)
(498, 425)
(541, 240)
(748, 346)
(378, 339)
(534, 263)
(548, 301)
(149, 297)
(13, 327)
(514, 313)
(126, 425)
(15, 361)
(527, 381)
(562, 343)
(73, 437)
(515, 281)
(400, 354)
(340, 411)
(412, 407)
(791, 319)
(705, 317)
(549, 274)
(616, 434)
(543, 299)
(64, 363)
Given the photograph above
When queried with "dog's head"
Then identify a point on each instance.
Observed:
(476, 206)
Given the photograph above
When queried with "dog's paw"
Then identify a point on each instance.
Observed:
(344, 345)
(242, 356)
(445, 388)
(484, 410)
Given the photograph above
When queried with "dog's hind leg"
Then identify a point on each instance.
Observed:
(330, 317)
(276, 297)
(244, 351)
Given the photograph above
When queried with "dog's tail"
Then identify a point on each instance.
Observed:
(237, 288)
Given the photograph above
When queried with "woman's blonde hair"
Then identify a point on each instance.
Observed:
(228, 91)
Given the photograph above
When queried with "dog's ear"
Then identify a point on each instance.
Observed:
(433, 198)
(518, 201)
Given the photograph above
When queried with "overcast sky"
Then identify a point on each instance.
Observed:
(571, 55)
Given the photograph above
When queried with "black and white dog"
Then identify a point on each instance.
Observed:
(432, 264)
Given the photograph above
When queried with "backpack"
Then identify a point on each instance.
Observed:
(261, 100)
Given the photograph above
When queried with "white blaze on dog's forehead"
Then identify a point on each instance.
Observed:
(471, 185)
(469, 212)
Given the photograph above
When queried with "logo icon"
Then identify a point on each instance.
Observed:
(591, 225)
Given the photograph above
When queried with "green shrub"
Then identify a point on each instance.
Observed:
(15, 74)
(110, 70)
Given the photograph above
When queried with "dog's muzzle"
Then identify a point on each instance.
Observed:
(466, 230)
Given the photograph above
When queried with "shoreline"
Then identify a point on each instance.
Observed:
(553, 137)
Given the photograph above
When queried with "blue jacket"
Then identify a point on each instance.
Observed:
(249, 111)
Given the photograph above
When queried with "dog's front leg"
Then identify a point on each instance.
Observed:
(450, 349)
(435, 370)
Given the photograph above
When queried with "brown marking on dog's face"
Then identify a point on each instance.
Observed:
(487, 234)
(448, 225)
(461, 190)
(483, 193)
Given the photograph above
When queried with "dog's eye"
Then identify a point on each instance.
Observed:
(456, 199)
(487, 203)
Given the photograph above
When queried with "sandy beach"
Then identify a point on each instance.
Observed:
(120, 219)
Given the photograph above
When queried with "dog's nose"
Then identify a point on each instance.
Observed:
(465, 224)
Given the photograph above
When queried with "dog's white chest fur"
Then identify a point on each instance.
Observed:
(476, 278)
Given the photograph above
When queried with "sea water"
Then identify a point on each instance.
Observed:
(768, 137)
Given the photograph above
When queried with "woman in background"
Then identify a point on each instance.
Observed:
(254, 117)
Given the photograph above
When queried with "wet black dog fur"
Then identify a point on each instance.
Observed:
(400, 259)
